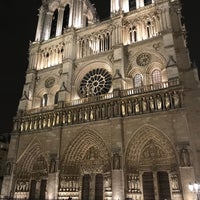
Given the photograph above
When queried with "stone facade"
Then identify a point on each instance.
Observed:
(109, 110)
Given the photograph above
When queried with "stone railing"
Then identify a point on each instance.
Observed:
(121, 103)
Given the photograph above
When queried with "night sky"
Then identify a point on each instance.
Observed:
(18, 27)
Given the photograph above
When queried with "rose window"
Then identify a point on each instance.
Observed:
(96, 82)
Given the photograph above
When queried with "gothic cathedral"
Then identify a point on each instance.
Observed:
(109, 109)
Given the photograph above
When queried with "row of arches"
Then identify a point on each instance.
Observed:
(95, 147)
(139, 81)
(55, 18)
(89, 149)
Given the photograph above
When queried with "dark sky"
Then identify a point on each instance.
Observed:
(18, 27)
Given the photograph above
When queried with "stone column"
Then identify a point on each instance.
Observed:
(47, 26)
(60, 21)
(52, 185)
(187, 176)
(40, 24)
(117, 179)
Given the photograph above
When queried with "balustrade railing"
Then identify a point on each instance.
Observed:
(120, 103)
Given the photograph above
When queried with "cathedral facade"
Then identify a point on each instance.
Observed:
(109, 109)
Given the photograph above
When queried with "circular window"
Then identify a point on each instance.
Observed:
(143, 59)
(96, 82)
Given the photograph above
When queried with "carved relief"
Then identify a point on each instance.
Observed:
(133, 183)
(143, 59)
(22, 186)
(49, 82)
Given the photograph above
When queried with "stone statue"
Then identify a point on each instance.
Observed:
(116, 161)
(185, 157)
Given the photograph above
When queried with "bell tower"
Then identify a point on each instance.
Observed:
(55, 18)
(119, 5)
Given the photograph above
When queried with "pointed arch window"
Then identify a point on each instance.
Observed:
(148, 28)
(137, 80)
(133, 34)
(56, 98)
(107, 41)
(54, 24)
(156, 76)
(66, 18)
(86, 21)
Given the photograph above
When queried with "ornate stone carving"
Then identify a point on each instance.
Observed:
(49, 82)
(143, 59)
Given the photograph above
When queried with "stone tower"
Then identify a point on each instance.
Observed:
(109, 109)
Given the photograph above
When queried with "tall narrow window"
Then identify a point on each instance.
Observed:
(56, 98)
(43, 189)
(137, 80)
(86, 187)
(133, 34)
(148, 29)
(107, 40)
(156, 76)
(32, 190)
(163, 185)
(148, 186)
(66, 18)
(132, 4)
(54, 24)
(86, 21)
(99, 187)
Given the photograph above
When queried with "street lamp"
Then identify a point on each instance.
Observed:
(194, 187)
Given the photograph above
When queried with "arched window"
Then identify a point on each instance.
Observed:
(156, 76)
(44, 100)
(133, 34)
(137, 80)
(54, 24)
(56, 98)
(132, 4)
(148, 24)
(66, 18)
(86, 21)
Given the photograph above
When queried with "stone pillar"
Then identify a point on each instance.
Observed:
(118, 185)
(125, 6)
(40, 24)
(115, 6)
(187, 176)
(118, 80)
(60, 21)
(168, 18)
(141, 2)
(117, 178)
(92, 186)
(47, 26)
(6, 187)
(52, 185)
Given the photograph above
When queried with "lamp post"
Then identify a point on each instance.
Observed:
(194, 187)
